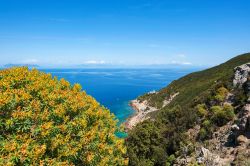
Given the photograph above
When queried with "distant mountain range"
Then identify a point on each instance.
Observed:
(18, 65)
(100, 66)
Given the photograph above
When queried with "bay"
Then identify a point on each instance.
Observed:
(114, 88)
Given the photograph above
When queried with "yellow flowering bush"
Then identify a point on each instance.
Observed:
(46, 121)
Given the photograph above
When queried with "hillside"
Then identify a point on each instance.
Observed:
(187, 113)
(196, 85)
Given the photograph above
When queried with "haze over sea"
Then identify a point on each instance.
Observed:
(114, 88)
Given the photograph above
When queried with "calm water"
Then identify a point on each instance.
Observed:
(114, 88)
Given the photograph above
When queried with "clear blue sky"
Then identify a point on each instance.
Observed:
(70, 32)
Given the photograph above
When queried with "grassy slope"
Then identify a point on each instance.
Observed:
(196, 85)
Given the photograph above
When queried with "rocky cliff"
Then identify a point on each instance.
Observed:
(230, 143)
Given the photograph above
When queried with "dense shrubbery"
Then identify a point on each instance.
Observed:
(217, 115)
(155, 142)
(221, 115)
(201, 110)
(146, 145)
(49, 122)
(221, 94)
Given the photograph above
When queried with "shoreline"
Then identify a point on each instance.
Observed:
(127, 121)
(141, 110)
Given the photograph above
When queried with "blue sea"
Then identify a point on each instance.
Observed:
(114, 88)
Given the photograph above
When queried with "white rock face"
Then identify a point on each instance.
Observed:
(208, 158)
(245, 118)
(241, 73)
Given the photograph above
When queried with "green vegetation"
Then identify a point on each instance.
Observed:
(155, 141)
(221, 94)
(221, 115)
(201, 110)
(218, 116)
(45, 121)
(201, 100)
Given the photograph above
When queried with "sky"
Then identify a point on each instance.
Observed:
(123, 32)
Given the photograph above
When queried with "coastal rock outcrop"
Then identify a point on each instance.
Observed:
(241, 74)
(244, 119)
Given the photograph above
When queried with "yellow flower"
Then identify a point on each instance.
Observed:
(90, 156)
